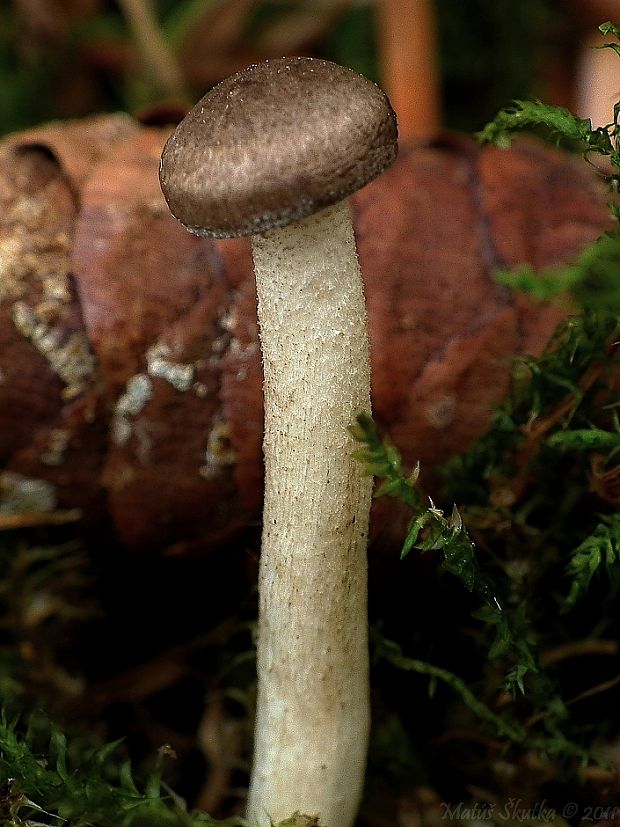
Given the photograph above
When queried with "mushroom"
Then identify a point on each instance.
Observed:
(272, 152)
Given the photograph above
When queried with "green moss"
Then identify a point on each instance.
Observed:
(534, 529)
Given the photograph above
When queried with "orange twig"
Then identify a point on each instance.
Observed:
(408, 53)
(32, 519)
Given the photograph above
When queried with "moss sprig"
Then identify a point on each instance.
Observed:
(556, 123)
(590, 281)
(45, 595)
(390, 651)
(535, 529)
(44, 782)
(559, 404)
(430, 531)
(597, 554)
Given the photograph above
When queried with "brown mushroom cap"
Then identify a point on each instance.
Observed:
(275, 143)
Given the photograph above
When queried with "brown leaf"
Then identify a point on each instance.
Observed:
(163, 438)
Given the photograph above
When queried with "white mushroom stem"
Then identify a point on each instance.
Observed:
(313, 693)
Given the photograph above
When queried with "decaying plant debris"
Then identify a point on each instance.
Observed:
(106, 317)
(494, 640)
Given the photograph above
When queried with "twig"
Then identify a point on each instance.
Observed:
(408, 53)
(535, 431)
(582, 696)
(155, 53)
(220, 742)
(594, 690)
(474, 737)
(144, 680)
(578, 649)
(302, 28)
(32, 519)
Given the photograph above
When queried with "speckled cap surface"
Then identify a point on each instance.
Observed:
(275, 143)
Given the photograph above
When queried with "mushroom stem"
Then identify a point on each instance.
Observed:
(313, 694)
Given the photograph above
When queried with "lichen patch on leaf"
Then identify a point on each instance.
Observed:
(19, 493)
(12, 268)
(57, 444)
(219, 452)
(160, 364)
(29, 259)
(440, 413)
(138, 391)
(70, 357)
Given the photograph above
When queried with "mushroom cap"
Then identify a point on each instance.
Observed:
(275, 143)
